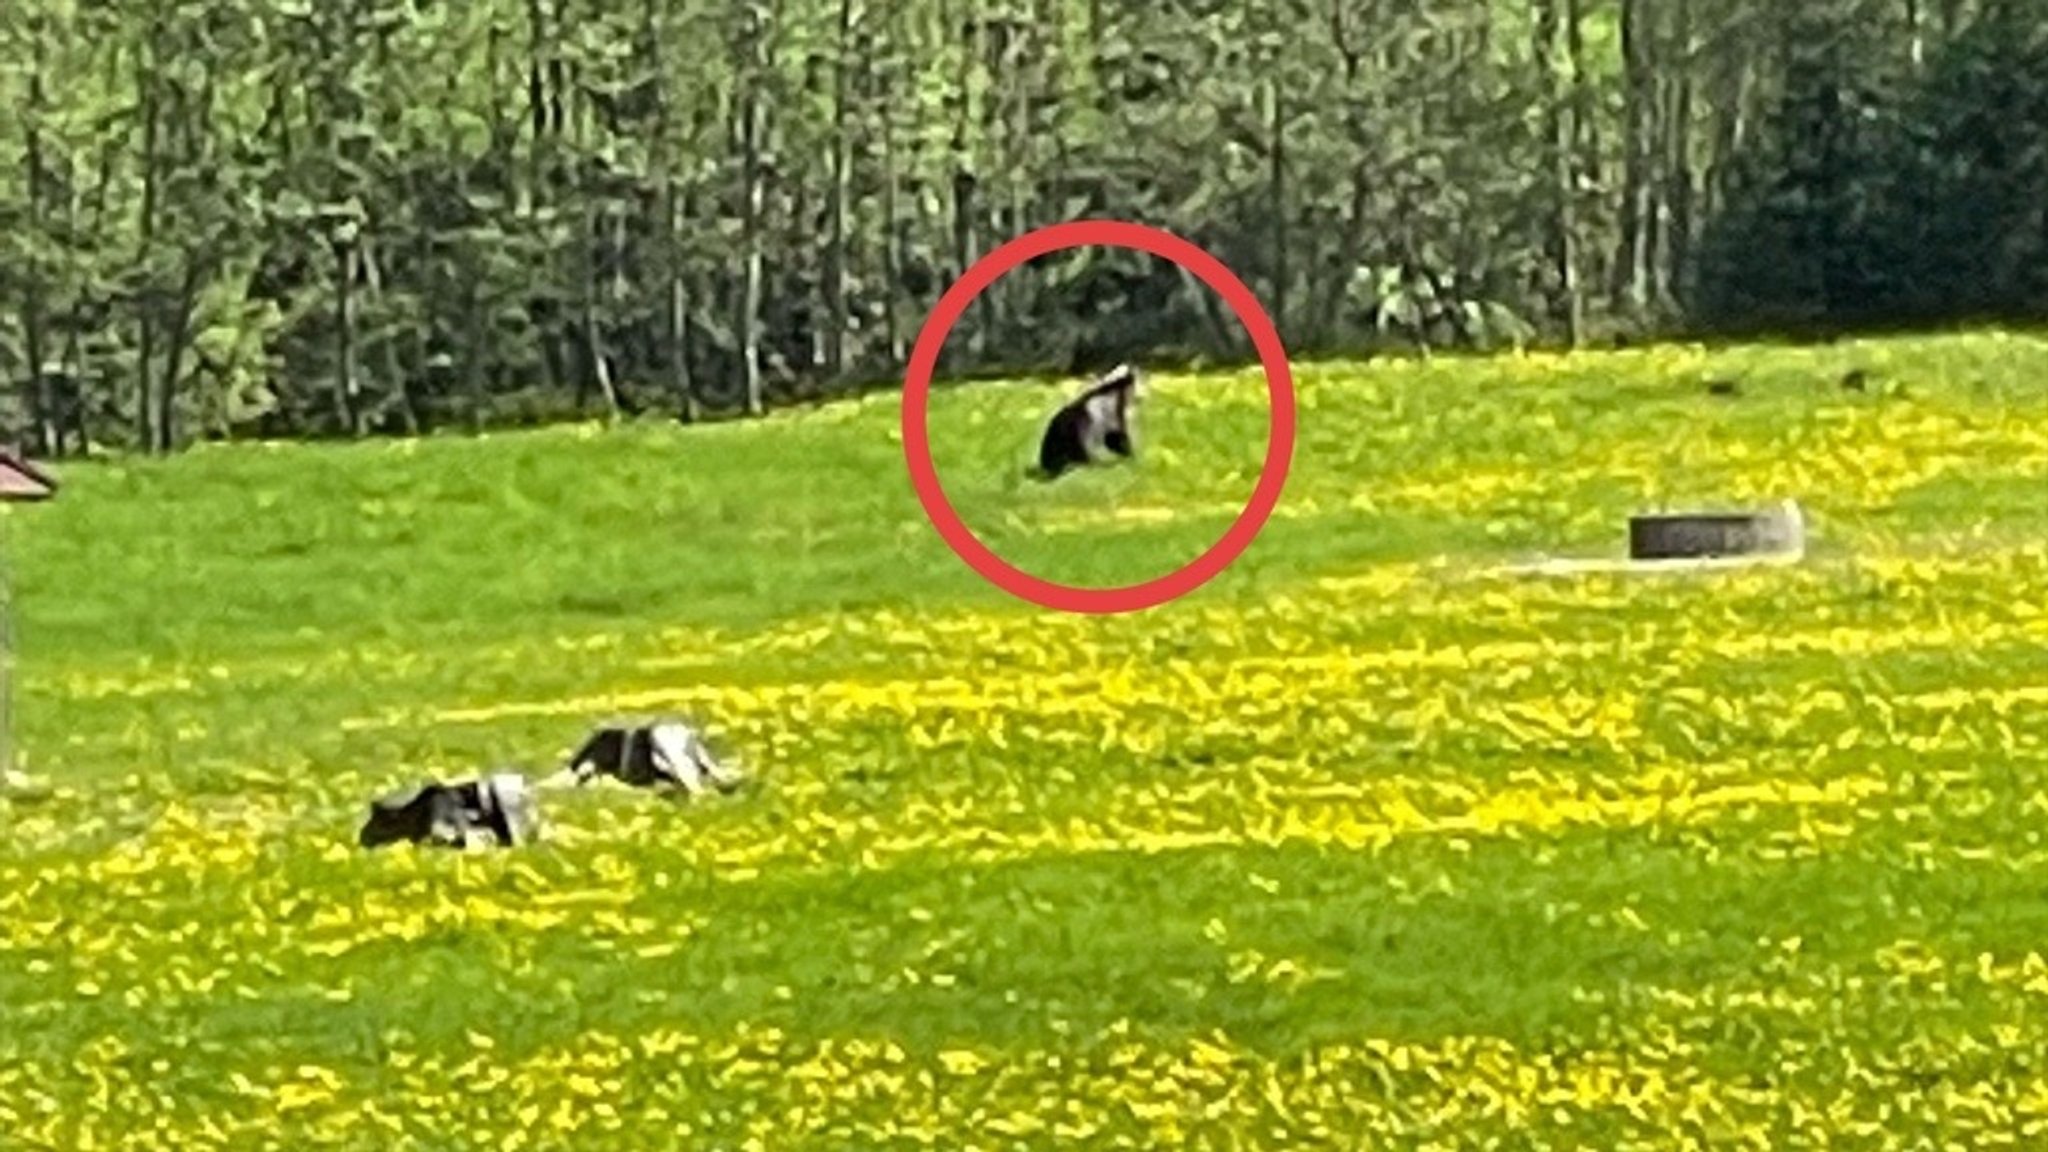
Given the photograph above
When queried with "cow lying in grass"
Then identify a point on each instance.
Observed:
(651, 754)
(459, 815)
(500, 807)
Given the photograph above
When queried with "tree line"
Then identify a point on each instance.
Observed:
(227, 218)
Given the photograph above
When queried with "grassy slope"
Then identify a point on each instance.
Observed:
(1361, 838)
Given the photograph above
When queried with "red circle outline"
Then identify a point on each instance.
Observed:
(924, 474)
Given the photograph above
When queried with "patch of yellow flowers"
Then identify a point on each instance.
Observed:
(109, 925)
(755, 1088)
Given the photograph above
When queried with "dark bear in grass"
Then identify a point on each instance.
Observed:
(1091, 428)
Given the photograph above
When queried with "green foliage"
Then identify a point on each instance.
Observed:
(1886, 193)
(1972, 209)
(420, 210)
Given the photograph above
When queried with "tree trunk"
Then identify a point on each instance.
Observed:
(1351, 241)
(598, 354)
(679, 309)
(965, 184)
(1098, 71)
(835, 245)
(40, 402)
(536, 84)
(750, 216)
(796, 239)
(544, 106)
(347, 384)
(1585, 115)
(176, 346)
(1589, 170)
(1003, 117)
(68, 420)
(675, 216)
(892, 183)
(193, 121)
(476, 325)
(1632, 264)
(1729, 128)
(1558, 137)
(152, 114)
(503, 154)
(1276, 177)
(394, 366)
(1679, 182)
(1027, 90)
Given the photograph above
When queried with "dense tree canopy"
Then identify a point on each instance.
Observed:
(289, 217)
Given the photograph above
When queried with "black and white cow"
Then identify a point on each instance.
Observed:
(454, 815)
(650, 753)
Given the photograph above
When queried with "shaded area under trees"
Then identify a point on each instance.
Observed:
(288, 218)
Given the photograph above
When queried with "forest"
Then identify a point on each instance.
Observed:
(287, 218)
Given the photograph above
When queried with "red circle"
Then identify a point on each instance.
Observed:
(924, 476)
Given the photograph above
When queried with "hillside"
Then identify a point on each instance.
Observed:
(1366, 837)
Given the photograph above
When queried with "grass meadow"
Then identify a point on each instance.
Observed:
(1367, 843)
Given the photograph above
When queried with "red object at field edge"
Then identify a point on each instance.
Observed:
(21, 480)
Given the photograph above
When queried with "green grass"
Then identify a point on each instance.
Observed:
(1366, 841)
